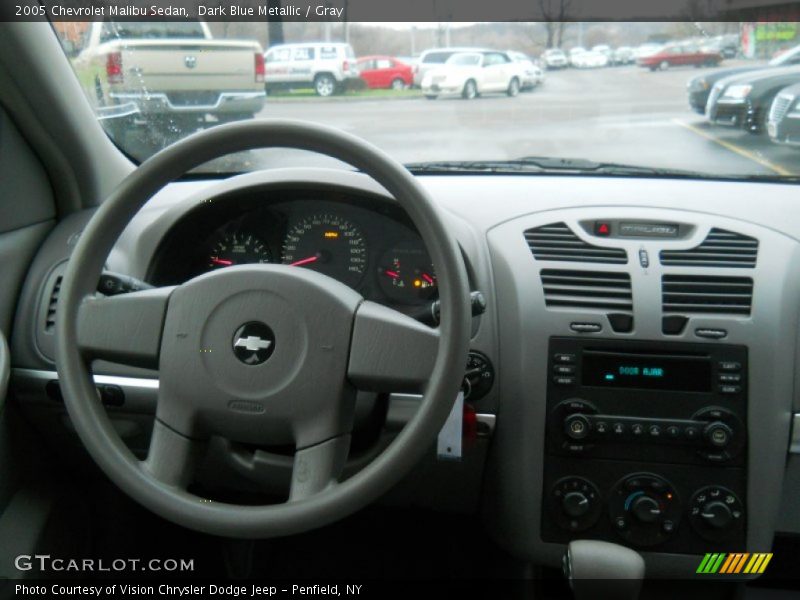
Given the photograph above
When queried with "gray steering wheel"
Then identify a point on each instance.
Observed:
(260, 354)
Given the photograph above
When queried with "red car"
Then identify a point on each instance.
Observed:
(673, 55)
(381, 72)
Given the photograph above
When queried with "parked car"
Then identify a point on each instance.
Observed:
(325, 67)
(383, 72)
(744, 100)
(554, 58)
(434, 58)
(624, 55)
(573, 54)
(179, 63)
(606, 50)
(674, 55)
(783, 120)
(647, 49)
(699, 87)
(589, 59)
(473, 73)
(532, 75)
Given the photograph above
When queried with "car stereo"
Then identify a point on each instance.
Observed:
(645, 443)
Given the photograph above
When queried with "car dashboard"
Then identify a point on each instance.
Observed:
(636, 357)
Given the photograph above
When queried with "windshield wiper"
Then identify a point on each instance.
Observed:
(550, 165)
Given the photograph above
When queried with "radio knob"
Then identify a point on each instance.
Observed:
(718, 434)
(716, 514)
(646, 509)
(576, 427)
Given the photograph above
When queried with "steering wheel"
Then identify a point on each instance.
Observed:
(259, 354)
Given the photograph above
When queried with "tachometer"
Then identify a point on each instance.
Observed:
(238, 248)
(405, 273)
(329, 244)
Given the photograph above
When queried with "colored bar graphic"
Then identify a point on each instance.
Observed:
(734, 563)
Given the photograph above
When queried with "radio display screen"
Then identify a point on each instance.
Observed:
(646, 371)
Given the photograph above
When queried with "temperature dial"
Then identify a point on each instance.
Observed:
(644, 509)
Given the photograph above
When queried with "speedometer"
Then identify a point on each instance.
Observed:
(329, 244)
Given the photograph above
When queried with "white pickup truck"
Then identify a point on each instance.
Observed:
(174, 73)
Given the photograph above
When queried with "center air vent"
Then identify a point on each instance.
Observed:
(720, 249)
(587, 289)
(558, 242)
(687, 294)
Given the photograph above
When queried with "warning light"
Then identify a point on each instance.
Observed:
(417, 283)
(331, 235)
(602, 228)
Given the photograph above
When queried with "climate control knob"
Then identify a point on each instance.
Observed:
(716, 514)
(646, 509)
(575, 504)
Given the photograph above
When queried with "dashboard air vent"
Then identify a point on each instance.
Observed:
(50, 314)
(687, 294)
(720, 249)
(587, 289)
(558, 242)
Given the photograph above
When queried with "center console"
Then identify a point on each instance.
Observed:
(646, 444)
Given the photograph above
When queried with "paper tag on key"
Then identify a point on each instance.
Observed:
(448, 444)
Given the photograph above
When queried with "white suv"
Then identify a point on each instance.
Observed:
(325, 67)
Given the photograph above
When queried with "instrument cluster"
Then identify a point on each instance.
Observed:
(370, 246)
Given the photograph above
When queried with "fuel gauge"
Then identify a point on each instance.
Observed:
(406, 275)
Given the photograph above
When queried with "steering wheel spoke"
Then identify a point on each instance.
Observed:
(318, 467)
(126, 328)
(390, 351)
(172, 456)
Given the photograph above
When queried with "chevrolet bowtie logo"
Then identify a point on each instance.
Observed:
(252, 343)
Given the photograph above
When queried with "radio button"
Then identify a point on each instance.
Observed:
(601, 427)
(637, 429)
(618, 428)
(564, 359)
(673, 431)
(691, 432)
(729, 365)
(718, 434)
(564, 380)
(730, 377)
(654, 431)
(564, 369)
(576, 427)
(730, 389)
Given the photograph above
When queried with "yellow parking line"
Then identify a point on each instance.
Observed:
(734, 148)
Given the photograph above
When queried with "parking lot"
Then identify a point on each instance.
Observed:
(619, 114)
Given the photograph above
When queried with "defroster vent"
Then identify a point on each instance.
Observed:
(587, 289)
(721, 248)
(691, 294)
(558, 242)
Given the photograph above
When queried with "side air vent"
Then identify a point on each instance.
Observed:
(686, 294)
(50, 312)
(720, 249)
(587, 289)
(558, 242)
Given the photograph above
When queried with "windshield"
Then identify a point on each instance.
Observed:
(642, 97)
(461, 60)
